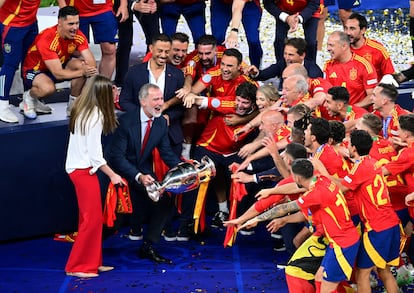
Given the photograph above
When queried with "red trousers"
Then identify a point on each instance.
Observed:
(86, 254)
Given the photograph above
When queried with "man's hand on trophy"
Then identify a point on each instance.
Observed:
(146, 179)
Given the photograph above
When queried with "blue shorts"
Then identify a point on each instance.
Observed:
(104, 27)
(338, 262)
(404, 216)
(343, 4)
(30, 75)
(379, 249)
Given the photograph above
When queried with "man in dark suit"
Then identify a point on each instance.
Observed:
(294, 52)
(167, 77)
(130, 154)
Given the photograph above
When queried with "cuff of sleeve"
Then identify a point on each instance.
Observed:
(255, 179)
(137, 177)
(283, 16)
(204, 103)
(132, 5)
(249, 167)
(300, 19)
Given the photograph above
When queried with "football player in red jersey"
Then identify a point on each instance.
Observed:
(49, 60)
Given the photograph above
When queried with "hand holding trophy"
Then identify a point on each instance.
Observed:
(184, 177)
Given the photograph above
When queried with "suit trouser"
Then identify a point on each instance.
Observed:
(194, 14)
(252, 14)
(310, 28)
(86, 253)
(154, 214)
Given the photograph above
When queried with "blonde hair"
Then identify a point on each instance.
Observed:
(270, 92)
(97, 92)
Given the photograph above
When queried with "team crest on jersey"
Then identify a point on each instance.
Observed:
(71, 48)
(206, 78)
(7, 48)
(353, 73)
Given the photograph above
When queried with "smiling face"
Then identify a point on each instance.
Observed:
(178, 52)
(262, 101)
(290, 54)
(152, 104)
(230, 69)
(160, 51)
(243, 105)
(207, 55)
(68, 26)
(331, 105)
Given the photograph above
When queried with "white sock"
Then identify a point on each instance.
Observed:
(223, 207)
(185, 153)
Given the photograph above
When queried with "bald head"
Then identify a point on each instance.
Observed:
(294, 69)
(271, 122)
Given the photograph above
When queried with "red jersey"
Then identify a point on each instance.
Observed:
(390, 123)
(366, 182)
(48, 45)
(352, 113)
(274, 199)
(357, 75)
(377, 55)
(218, 87)
(218, 137)
(194, 67)
(403, 164)
(88, 8)
(383, 151)
(282, 133)
(19, 13)
(334, 163)
(328, 207)
(294, 6)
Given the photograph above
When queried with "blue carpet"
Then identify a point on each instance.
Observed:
(199, 266)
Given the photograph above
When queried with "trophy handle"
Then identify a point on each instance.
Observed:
(206, 169)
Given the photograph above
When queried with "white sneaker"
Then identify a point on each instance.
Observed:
(69, 106)
(41, 107)
(28, 105)
(6, 114)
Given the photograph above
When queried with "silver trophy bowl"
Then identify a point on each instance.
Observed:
(184, 177)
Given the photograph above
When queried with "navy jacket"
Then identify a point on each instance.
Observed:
(124, 150)
(137, 76)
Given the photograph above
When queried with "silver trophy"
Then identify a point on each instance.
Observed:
(184, 177)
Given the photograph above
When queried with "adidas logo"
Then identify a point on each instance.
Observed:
(333, 75)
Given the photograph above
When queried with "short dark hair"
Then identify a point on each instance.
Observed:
(247, 90)
(161, 38)
(339, 93)
(337, 131)
(207, 40)
(303, 168)
(361, 20)
(362, 141)
(296, 151)
(67, 10)
(234, 53)
(389, 90)
(321, 129)
(181, 37)
(373, 122)
(298, 43)
(407, 123)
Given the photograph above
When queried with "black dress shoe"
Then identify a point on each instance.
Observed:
(150, 253)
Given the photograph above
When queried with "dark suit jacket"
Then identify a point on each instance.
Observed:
(124, 150)
(137, 76)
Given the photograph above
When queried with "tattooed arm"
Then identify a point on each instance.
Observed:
(275, 212)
